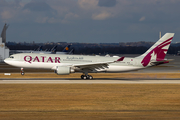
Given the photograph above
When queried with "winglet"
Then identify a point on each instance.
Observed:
(121, 59)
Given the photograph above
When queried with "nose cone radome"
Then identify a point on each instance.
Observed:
(6, 60)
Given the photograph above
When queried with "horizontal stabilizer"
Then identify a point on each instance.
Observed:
(160, 62)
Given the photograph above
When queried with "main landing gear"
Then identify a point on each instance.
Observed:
(86, 77)
(22, 71)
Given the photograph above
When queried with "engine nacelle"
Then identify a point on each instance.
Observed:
(63, 70)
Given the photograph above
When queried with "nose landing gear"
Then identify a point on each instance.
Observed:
(22, 71)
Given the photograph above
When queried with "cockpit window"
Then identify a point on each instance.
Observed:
(11, 57)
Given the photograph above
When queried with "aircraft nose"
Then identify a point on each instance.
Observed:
(6, 61)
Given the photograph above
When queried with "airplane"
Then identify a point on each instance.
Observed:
(64, 64)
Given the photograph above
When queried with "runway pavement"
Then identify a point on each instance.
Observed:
(97, 81)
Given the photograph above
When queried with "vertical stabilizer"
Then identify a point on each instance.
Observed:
(158, 51)
(54, 50)
(3, 34)
(66, 48)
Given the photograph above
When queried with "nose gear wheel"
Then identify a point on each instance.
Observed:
(22, 71)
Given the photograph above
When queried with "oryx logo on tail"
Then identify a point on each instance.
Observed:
(158, 51)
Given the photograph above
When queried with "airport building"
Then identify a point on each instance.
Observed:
(4, 51)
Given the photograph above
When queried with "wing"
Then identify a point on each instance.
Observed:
(95, 66)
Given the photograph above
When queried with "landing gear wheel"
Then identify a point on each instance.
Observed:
(22, 73)
(82, 76)
(90, 77)
(85, 77)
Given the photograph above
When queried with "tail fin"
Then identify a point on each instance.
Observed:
(158, 51)
(39, 48)
(71, 52)
(54, 50)
(66, 48)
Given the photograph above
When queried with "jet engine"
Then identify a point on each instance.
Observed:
(63, 70)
